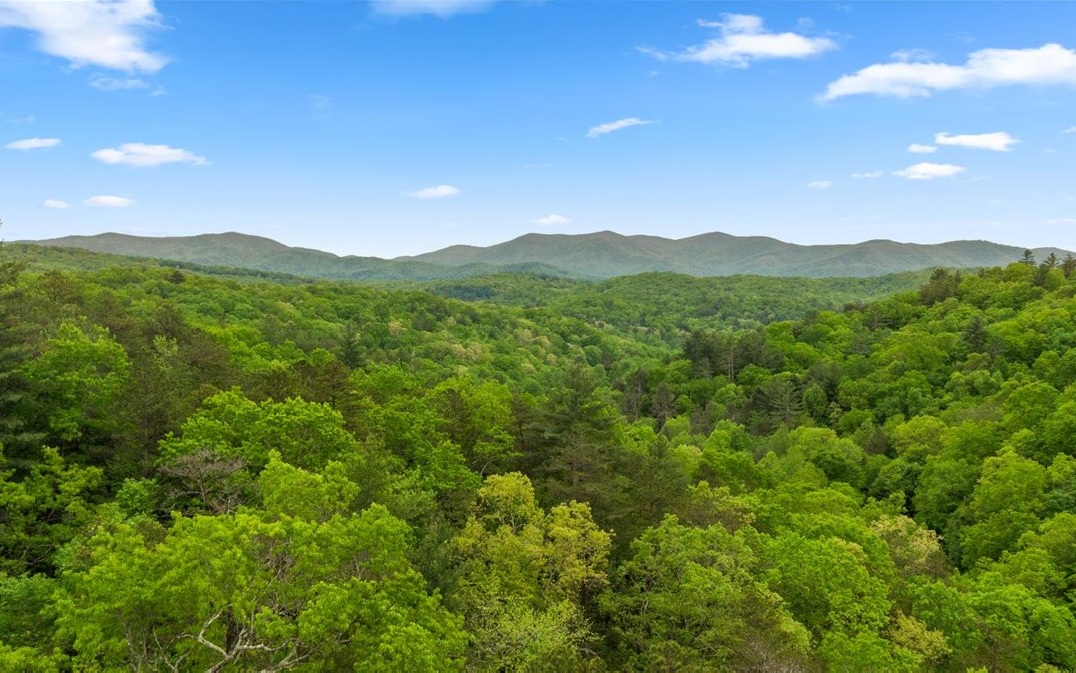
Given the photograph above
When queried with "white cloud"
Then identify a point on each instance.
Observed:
(34, 144)
(1071, 129)
(609, 127)
(105, 83)
(109, 201)
(916, 148)
(820, 184)
(143, 155)
(105, 33)
(1063, 220)
(1050, 64)
(55, 203)
(911, 55)
(552, 219)
(442, 8)
(929, 171)
(869, 175)
(438, 192)
(997, 142)
(743, 39)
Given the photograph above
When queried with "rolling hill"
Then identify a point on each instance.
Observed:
(607, 254)
(598, 255)
(263, 254)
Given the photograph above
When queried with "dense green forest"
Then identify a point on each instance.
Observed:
(218, 470)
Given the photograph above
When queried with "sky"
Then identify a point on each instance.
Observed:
(396, 127)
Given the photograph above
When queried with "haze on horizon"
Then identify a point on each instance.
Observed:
(397, 127)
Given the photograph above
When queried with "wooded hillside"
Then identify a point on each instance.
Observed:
(203, 472)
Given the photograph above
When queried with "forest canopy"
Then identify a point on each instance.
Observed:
(214, 470)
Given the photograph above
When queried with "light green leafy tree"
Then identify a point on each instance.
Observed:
(526, 578)
(688, 599)
(77, 379)
(300, 583)
(826, 584)
(42, 511)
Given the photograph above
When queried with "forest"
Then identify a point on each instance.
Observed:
(204, 469)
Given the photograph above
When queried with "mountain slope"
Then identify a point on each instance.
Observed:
(606, 254)
(603, 254)
(264, 254)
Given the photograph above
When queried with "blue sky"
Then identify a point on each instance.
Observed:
(401, 126)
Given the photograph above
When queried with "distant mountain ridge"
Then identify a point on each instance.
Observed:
(604, 254)
(245, 251)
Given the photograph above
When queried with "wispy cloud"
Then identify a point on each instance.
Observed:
(438, 192)
(143, 155)
(106, 33)
(929, 171)
(1071, 129)
(551, 219)
(1062, 220)
(109, 201)
(820, 184)
(869, 175)
(106, 83)
(442, 8)
(916, 148)
(997, 142)
(56, 204)
(1050, 64)
(741, 39)
(912, 55)
(33, 144)
(618, 125)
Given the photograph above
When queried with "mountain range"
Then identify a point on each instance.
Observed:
(603, 254)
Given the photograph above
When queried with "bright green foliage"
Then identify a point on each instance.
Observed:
(944, 484)
(1046, 560)
(296, 582)
(826, 584)
(851, 653)
(305, 434)
(1005, 504)
(522, 566)
(42, 511)
(1022, 631)
(913, 550)
(290, 491)
(688, 599)
(839, 459)
(78, 377)
(30, 660)
(706, 506)
(1056, 433)
(998, 625)
(15, 433)
(1060, 493)
(213, 462)
(404, 432)
(24, 603)
(478, 418)
(261, 472)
